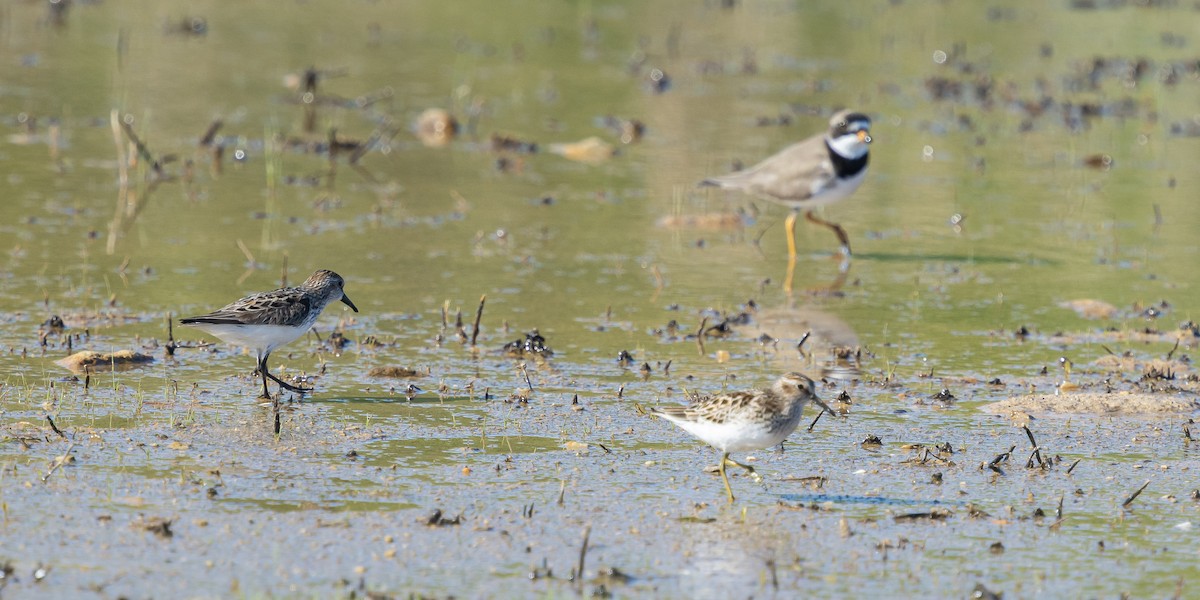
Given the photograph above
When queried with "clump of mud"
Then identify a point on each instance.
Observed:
(1116, 403)
(89, 360)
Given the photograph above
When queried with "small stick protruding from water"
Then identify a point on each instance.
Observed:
(800, 344)
(587, 531)
(478, 316)
(1172, 352)
(210, 134)
(562, 492)
(814, 421)
(1134, 496)
(1072, 467)
(275, 409)
(61, 460)
(1058, 511)
(445, 315)
(700, 335)
(525, 371)
(171, 345)
(55, 428)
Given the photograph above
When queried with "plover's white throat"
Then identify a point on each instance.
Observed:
(268, 320)
(817, 171)
(748, 420)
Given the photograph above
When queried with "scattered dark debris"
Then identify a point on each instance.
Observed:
(1021, 333)
(624, 358)
(996, 548)
(611, 575)
(872, 442)
(982, 593)
(533, 345)
(504, 143)
(934, 514)
(337, 341)
(1102, 162)
(1157, 373)
(158, 526)
(944, 397)
(55, 324)
(437, 520)
(628, 130)
(976, 513)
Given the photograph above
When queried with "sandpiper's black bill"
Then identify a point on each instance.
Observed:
(347, 302)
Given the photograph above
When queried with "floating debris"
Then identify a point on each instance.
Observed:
(504, 143)
(393, 372)
(1090, 309)
(592, 150)
(89, 360)
(629, 130)
(435, 127)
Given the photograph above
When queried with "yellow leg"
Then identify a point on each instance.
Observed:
(748, 468)
(837, 230)
(790, 226)
(724, 477)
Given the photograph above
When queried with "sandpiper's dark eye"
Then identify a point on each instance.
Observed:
(842, 124)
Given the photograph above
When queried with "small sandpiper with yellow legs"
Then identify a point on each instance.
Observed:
(820, 170)
(268, 320)
(746, 420)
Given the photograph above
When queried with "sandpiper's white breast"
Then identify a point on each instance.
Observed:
(259, 337)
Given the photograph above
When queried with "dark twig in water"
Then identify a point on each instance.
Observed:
(800, 344)
(1029, 434)
(995, 464)
(1134, 496)
(700, 334)
(55, 428)
(525, 372)
(171, 345)
(1058, 511)
(275, 410)
(1108, 350)
(478, 316)
(1172, 352)
(814, 421)
(1072, 467)
(587, 531)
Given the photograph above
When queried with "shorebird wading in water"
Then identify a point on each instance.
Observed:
(268, 320)
(817, 171)
(747, 420)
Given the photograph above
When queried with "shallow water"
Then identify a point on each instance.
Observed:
(339, 502)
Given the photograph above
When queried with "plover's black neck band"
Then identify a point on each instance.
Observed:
(846, 167)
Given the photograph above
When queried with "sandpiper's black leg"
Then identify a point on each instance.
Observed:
(262, 368)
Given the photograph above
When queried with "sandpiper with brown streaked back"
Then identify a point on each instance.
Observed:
(268, 320)
(820, 170)
(746, 420)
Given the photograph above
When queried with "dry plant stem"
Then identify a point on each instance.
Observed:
(58, 462)
(1134, 496)
(478, 316)
(587, 532)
